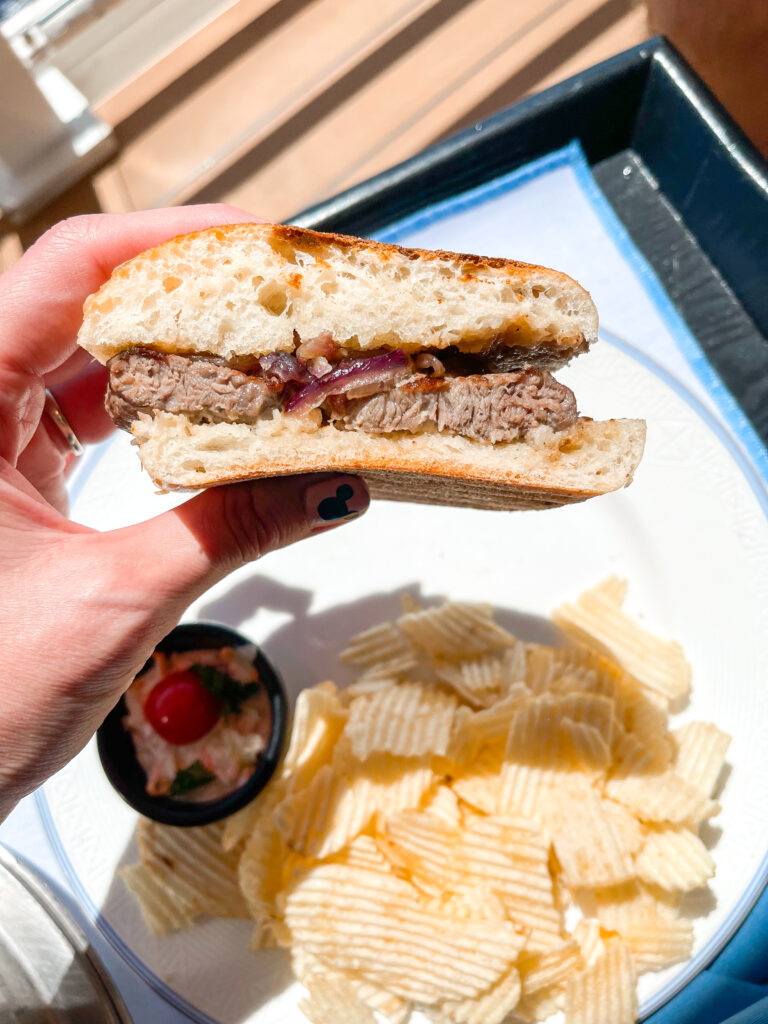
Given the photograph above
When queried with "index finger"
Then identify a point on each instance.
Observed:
(42, 295)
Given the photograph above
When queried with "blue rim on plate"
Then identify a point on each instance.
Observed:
(118, 755)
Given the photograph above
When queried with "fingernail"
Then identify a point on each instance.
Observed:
(331, 502)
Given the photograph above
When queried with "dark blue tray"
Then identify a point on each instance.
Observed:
(696, 204)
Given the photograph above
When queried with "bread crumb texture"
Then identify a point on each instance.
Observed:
(543, 470)
(246, 288)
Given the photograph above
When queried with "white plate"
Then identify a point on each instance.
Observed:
(691, 536)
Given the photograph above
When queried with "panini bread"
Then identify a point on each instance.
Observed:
(257, 349)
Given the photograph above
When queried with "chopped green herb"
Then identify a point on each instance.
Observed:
(231, 693)
(190, 778)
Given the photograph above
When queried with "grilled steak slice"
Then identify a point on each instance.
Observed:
(143, 380)
(494, 407)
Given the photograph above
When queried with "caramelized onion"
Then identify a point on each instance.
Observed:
(354, 377)
(319, 366)
(322, 345)
(426, 361)
(281, 368)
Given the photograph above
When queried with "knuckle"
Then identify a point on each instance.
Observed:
(69, 233)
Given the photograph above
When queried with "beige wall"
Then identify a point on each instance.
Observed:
(726, 42)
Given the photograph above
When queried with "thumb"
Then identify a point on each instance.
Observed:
(179, 554)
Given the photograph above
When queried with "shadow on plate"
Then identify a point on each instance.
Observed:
(305, 649)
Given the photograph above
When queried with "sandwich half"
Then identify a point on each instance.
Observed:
(258, 349)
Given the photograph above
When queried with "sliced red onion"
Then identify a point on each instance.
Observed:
(352, 376)
(283, 368)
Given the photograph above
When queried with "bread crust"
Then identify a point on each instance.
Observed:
(245, 290)
(546, 471)
(250, 289)
(318, 242)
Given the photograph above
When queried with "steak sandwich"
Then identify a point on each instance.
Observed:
(258, 349)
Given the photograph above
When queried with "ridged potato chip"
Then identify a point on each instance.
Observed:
(536, 735)
(491, 1008)
(628, 830)
(193, 866)
(394, 668)
(587, 845)
(367, 687)
(588, 935)
(550, 738)
(590, 709)
(304, 965)
(597, 621)
(239, 826)
(541, 666)
(620, 906)
(612, 588)
(455, 630)
(647, 723)
(381, 928)
(364, 852)
(700, 754)
(475, 903)
(510, 856)
(481, 791)
(444, 805)
(332, 999)
(524, 788)
(474, 731)
(674, 858)
(478, 681)
(318, 721)
(373, 646)
(483, 829)
(530, 759)
(544, 976)
(322, 818)
(549, 969)
(163, 909)
(659, 943)
(664, 797)
(392, 1008)
(423, 845)
(409, 604)
(651, 927)
(633, 758)
(582, 745)
(256, 815)
(408, 720)
(400, 782)
(604, 992)
(260, 876)
(338, 804)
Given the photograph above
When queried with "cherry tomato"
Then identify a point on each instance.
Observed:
(180, 709)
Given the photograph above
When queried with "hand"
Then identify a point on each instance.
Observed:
(80, 611)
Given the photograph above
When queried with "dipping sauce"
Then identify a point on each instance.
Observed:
(198, 720)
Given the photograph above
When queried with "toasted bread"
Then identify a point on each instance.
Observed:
(247, 290)
(244, 290)
(547, 469)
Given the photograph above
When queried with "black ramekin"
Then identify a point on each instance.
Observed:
(118, 755)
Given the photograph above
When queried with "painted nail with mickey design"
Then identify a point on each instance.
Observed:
(335, 501)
